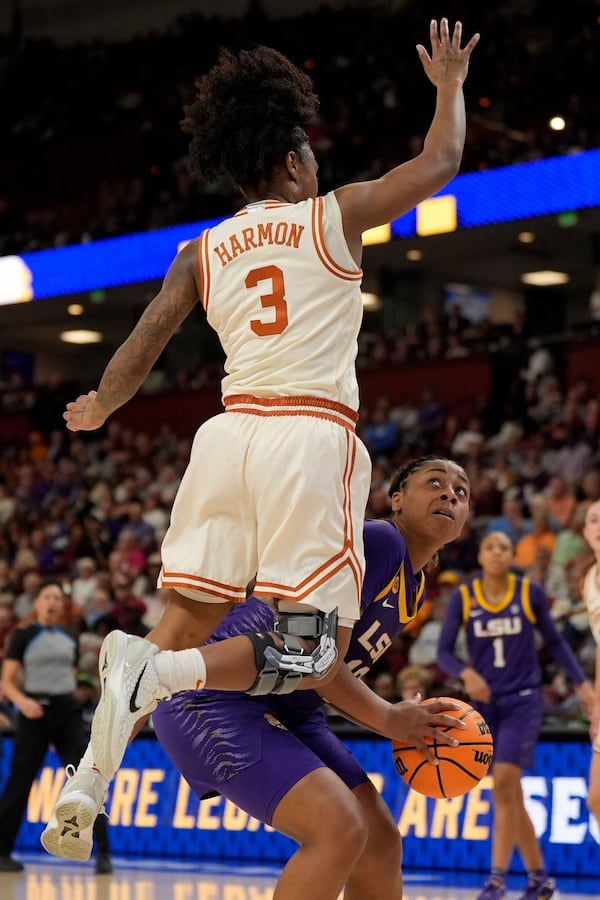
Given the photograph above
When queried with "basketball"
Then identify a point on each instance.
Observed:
(460, 768)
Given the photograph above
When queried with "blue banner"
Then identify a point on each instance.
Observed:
(154, 814)
(554, 185)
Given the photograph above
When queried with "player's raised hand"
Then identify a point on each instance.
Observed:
(448, 61)
(84, 414)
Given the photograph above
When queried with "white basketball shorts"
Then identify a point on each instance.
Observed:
(277, 489)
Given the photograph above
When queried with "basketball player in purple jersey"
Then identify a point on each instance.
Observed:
(281, 763)
(500, 613)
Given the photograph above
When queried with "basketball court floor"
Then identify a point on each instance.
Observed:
(52, 879)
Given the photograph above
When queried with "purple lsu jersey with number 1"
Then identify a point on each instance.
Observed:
(501, 637)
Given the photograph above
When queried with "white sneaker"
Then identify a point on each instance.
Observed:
(130, 690)
(69, 831)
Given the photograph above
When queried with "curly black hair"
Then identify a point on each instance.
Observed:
(250, 109)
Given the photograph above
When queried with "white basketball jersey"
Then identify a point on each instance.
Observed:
(591, 595)
(282, 291)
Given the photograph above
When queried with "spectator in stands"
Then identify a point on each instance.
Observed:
(468, 440)
(413, 681)
(128, 609)
(446, 436)
(133, 557)
(72, 617)
(561, 502)
(486, 496)
(430, 329)
(570, 542)
(590, 432)
(460, 557)
(100, 605)
(8, 504)
(512, 520)
(532, 479)
(574, 455)
(552, 578)
(155, 515)
(381, 434)
(85, 582)
(431, 412)
(8, 578)
(541, 534)
(8, 622)
(30, 585)
(589, 487)
(406, 417)
(383, 683)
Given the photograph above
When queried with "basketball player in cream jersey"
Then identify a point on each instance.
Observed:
(591, 595)
(276, 487)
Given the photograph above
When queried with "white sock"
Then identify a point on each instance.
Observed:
(180, 670)
(86, 764)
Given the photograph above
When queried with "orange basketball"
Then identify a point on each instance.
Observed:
(460, 768)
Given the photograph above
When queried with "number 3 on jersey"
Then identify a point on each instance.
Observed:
(275, 298)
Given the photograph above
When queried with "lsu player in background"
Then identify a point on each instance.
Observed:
(500, 613)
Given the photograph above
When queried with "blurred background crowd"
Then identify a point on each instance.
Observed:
(92, 508)
(89, 158)
(91, 142)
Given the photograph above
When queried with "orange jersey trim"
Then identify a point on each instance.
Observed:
(203, 585)
(292, 406)
(204, 265)
(321, 247)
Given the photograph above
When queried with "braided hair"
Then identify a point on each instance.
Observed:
(250, 109)
(401, 476)
(398, 483)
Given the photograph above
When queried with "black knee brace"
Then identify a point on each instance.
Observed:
(280, 671)
(271, 679)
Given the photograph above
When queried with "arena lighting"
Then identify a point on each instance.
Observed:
(370, 301)
(544, 278)
(81, 336)
(438, 215)
(540, 188)
(382, 234)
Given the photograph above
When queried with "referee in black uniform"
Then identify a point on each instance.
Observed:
(39, 678)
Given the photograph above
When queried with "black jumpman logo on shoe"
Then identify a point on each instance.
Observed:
(74, 831)
(132, 704)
